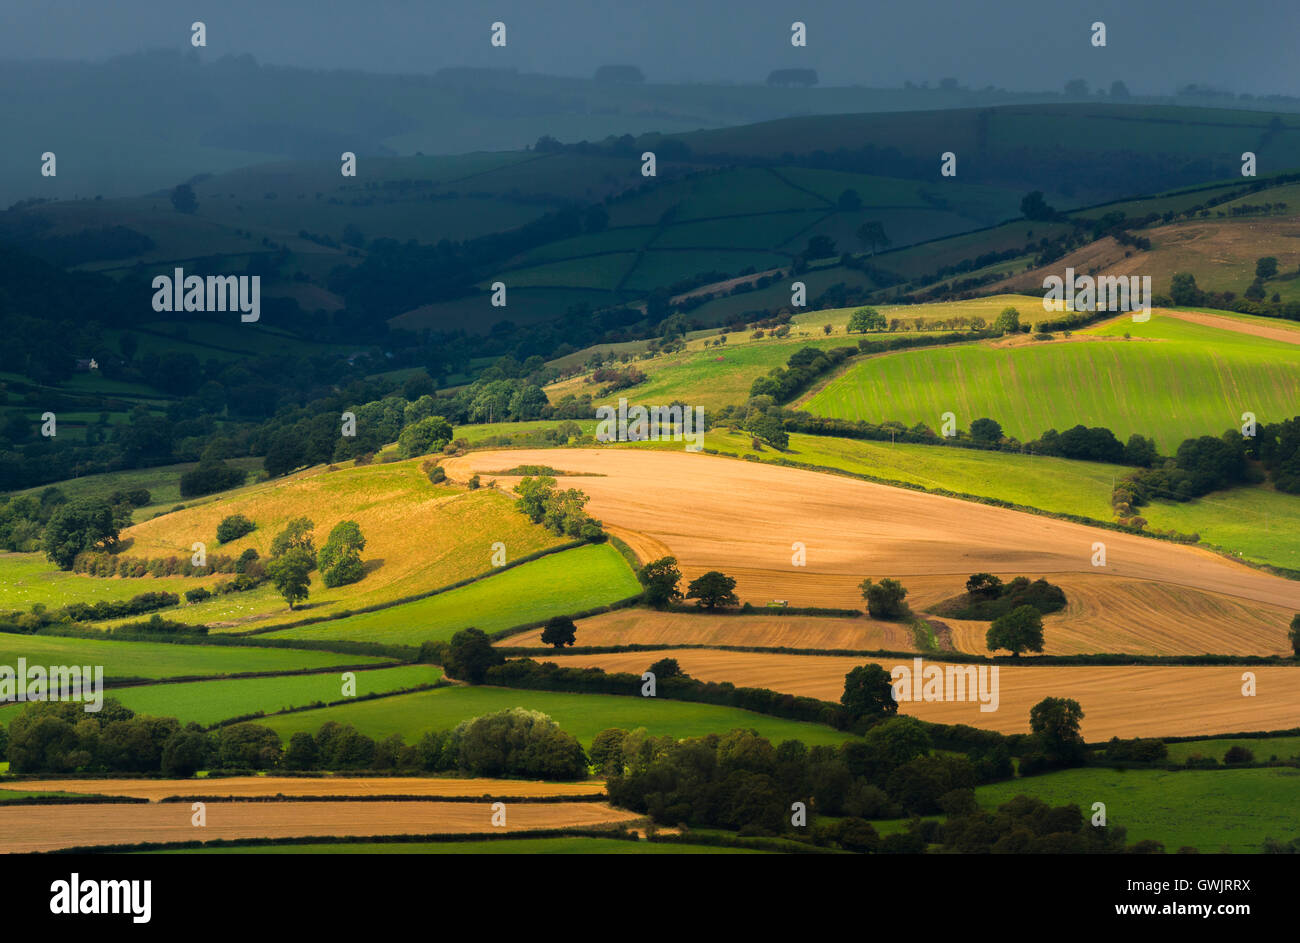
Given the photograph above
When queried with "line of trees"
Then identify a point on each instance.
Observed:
(61, 737)
(561, 511)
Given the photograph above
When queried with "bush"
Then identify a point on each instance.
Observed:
(428, 435)
(197, 594)
(1237, 755)
(234, 527)
(885, 599)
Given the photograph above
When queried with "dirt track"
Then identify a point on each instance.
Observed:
(44, 828)
(156, 789)
(1120, 701)
(1287, 335)
(742, 518)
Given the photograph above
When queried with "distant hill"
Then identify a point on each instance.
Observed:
(158, 118)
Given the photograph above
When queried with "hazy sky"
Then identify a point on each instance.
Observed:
(1153, 45)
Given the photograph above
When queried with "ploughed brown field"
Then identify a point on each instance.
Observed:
(742, 518)
(45, 828)
(649, 627)
(1129, 701)
(1101, 615)
(243, 786)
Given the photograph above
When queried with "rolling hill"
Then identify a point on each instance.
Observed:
(1169, 379)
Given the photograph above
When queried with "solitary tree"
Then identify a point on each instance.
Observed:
(819, 247)
(986, 430)
(872, 234)
(78, 526)
(712, 590)
(295, 536)
(340, 559)
(1034, 207)
(1019, 630)
(1183, 290)
(769, 429)
(660, 578)
(884, 599)
(667, 668)
(866, 319)
(1008, 321)
(470, 655)
(291, 574)
(868, 691)
(1055, 720)
(183, 199)
(559, 631)
(428, 435)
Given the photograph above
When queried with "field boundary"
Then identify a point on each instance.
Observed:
(624, 603)
(1104, 659)
(346, 613)
(321, 705)
(540, 800)
(617, 831)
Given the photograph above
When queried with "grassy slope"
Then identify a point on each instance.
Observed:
(1238, 808)
(28, 578)
(719, 376)
(163, 483)
(1264, 748)
(1171, 381)
(162, 659)
(583, 715)
(419, 537)
(207, 702)
(558, 584)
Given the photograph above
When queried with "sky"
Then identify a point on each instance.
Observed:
(1154, 46)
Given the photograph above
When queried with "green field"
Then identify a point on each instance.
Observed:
(583, 715)
(503, 846)
(28, 578)
(1053, 484)
(476, 433)
(207, 702)
(166, 659)
(722, 376)
(704, 376)
(1264, 748)
(1172, 380)
(558, 584)
(1204, 809)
